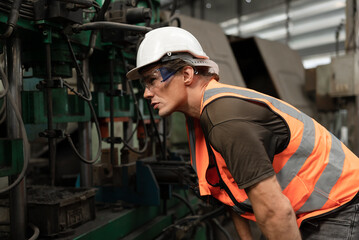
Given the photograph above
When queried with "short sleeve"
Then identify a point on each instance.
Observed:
(247, 135)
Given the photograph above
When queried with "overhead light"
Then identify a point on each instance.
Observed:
(248, 1)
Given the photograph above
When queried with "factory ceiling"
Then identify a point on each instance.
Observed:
(316, 29)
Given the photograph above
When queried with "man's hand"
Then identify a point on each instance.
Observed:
(273, 211)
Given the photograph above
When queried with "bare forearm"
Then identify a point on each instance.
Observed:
(280, 226)
(242, 226)
(273, 211)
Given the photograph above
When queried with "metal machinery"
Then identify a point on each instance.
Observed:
(65, 98)
(335, 86)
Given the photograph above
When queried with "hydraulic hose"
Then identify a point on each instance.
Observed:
(36, 232)
(2, 112)
(222, 229)
(139, 115)
(12, 20)
(139, 118)
(68, 137)
(24, 137)
(109, 25)
(86, 88)
(163, 153)
(185, 202)
(174, 7)
(88, 99)
(5, 84)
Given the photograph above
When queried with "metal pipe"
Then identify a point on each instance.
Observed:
(50, 129)
(85, 139)
(192, 7)
(203, 9)
(12, 19)
(36, 232)
(157, 134)
(112, 124)
(287, 21)
(18, 208)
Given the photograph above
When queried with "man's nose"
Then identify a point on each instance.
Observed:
(147, 94)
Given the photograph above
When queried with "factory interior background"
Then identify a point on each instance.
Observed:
(82, 154)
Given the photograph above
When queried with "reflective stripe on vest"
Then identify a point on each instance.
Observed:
(336, 157)
(321, 188)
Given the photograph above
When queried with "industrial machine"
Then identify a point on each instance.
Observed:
(334, 86)
(82, 155)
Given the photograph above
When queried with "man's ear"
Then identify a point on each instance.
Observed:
(188, 75)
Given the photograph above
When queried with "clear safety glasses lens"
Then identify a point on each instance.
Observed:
(150, 80)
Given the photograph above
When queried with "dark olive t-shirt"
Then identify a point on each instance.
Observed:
(247, 135)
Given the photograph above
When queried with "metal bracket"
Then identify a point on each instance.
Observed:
(55, 133)
(115, 93)
(116, 140)
(57, 83)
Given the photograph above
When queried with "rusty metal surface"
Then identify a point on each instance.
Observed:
(55, 210)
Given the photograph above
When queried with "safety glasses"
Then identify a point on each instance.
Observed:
(152, 79)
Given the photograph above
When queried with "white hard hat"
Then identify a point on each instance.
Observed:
(166, 41)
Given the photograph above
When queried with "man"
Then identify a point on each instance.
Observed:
(259, 155)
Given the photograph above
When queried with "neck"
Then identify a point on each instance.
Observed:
(194, 100)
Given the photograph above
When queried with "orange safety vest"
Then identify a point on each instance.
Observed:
(316, 171)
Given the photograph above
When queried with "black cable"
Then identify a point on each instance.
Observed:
(88, 99)
(88, 96)
(155, 128)
(217, 212)
(209, 230)
(139, 115)
(222, 229)
(3, 112)
(5, 84)
(109, 25)
(174, 7)
(196, 219)
(68, 137)
(66, 84)
(176, 195)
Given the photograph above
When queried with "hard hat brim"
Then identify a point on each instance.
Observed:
(133, 74)
(193, 61)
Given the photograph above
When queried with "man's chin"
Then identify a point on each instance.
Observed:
(164, 113)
